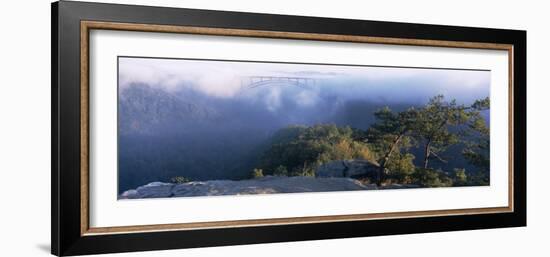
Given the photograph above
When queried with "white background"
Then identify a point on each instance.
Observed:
(25, 128)
(106, 211)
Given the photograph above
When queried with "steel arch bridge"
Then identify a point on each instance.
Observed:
(258, 81)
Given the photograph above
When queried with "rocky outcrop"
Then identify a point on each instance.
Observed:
(400, 186)
(347, 168)
(151, 190)
(264, 185)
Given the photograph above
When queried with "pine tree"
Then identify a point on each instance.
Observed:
(390, 134)
(477, 147)
(440, 123)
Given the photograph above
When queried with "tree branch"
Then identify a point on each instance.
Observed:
(438, 157)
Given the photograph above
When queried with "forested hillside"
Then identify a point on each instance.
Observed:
(185, 136)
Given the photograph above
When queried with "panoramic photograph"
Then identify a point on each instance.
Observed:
(190, 127)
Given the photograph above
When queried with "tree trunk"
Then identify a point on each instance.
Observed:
(382, 168)
(427, 152)
(380, 174)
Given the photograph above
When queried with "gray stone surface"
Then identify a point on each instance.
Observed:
(264, 185)
(151, 190)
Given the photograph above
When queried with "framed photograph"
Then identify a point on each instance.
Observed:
(178, 128)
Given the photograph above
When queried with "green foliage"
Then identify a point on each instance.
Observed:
(401, 167)
(388, 136)
(304, 171)
(280, 171)
(460, 178)
(432, 127)
(299, 151)
(441, 124)
(478, 154)
(390, 130)
(257, 173)
(431, 178)
(478, 178)
(477, 149)
(481, 104)
(179, 180)
(436, 126)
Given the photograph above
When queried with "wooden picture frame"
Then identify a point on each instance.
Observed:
(71, 26)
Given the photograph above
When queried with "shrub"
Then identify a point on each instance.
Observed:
(299, 150)
(179, 180)
(431, 178)
(460, 178)
(479, 178)
(280, 171)
(257, 173)
(304, 171)
(401, 167)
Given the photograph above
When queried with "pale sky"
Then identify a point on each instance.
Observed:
(222, 79)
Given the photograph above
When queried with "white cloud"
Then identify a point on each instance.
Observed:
(224, 79)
